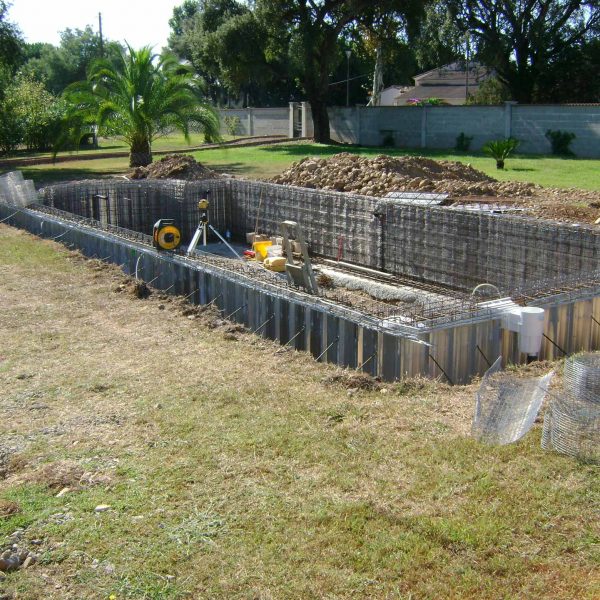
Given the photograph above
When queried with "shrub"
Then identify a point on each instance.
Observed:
(463, 142)
(560, 141)
(232, 124)
(499, 150)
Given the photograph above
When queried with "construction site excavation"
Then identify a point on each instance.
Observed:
(408, 283)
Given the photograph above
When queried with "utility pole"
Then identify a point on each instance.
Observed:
(467, 69)
(348, 53)
(100, 31)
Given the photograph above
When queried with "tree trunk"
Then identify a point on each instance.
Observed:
(320, 121)
(140, 154)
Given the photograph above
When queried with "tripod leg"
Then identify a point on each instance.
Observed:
(224, 240)
(192, 247)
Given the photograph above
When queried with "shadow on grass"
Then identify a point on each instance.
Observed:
(331, 149)
(45, 176)
(232, 168)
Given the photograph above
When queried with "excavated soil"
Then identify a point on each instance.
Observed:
(377, 176)
(174, 166)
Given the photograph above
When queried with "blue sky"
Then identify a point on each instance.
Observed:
(140, 22)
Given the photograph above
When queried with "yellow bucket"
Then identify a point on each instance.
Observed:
(261, 249)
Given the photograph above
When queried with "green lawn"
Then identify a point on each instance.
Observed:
(260, 162)
(168, 142)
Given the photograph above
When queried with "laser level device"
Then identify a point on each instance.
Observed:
(204, 226)
(165, 235)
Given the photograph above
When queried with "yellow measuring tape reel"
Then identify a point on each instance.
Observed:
(166, 236)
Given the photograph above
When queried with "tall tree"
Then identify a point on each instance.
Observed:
(314, 28)
(524, 39)
(11, 42)
(140, 99)
(227, 45)
(60, 66)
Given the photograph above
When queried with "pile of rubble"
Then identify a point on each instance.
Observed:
(382, 174)
(174, 166)
(464, 184)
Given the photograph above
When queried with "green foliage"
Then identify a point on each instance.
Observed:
(29, 115)
(439, 40)
(11, 42)
(525, 45)
(463, 142)
(500, 150)
(232, 124)
(491, 91)
(425, 102)
(227, 45)
(69, 63)
(140, 98)
(560, 141)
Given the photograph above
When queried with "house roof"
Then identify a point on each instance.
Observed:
(453, 74)
(453, 94)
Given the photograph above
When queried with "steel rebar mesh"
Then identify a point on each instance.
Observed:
(572, 421)
(451, 250)
(506, 406)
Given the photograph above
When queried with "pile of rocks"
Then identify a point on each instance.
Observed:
(377, 176)
(16, 555)
(174, 166)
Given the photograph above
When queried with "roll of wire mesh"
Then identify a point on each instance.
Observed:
(572, 421)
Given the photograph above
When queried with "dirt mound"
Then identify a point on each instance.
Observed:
(174, 166)
(382, 174)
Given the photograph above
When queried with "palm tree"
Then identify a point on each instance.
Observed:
(140, 98)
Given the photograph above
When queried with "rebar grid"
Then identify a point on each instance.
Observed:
(452, 250)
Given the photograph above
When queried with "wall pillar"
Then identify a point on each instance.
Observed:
(424, 126)
(306, 116)
(250, 120)
(292, 116)
(508, 118)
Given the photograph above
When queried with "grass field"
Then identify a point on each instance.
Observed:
(267, 161)
(233, 470)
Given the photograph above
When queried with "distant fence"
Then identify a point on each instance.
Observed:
(435, 127)
(257, 121)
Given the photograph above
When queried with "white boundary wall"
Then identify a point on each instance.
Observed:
(433, 126)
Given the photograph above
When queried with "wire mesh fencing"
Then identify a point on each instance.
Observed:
(17, 191)
(506, 406)
(572, 421)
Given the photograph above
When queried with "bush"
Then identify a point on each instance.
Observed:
(232, 124)
(39, 112)
(500, 150)
(463, 142)
(560, 141)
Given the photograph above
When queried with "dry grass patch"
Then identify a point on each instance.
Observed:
(235, 470)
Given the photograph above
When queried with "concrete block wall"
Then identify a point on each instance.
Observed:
(257, 121)
(432, 126)
(439, 126)
(530, 123)
(445, 123)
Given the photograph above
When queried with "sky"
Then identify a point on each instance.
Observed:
(139, 22)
